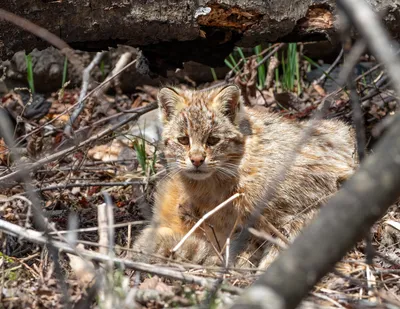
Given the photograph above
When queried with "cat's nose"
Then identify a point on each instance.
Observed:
(197, 160)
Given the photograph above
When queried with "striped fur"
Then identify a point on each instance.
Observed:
(249, 154)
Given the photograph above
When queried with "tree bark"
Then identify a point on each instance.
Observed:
(171, 31)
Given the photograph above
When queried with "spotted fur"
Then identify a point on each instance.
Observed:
(248, 156)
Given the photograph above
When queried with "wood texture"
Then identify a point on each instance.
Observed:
(171, 31)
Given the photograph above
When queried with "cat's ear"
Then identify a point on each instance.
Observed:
(169, 102)
(228, 101)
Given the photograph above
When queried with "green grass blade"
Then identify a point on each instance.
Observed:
(261, 69)
(284, 74)
(240, 52)
(234, 63)
(229, 65)
(313, 63)
(299, 88)
(65, 69)
(29, 72)
(140, 149)
(214, 75)
(292, 65)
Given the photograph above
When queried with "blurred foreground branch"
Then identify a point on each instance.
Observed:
(347, 217)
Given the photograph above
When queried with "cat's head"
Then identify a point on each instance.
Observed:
(201, 134)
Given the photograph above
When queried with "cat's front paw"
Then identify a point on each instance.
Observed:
(156, 245)
(196, 250)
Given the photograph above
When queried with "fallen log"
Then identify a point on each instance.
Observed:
(172, 32)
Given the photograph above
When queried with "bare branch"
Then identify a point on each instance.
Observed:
(37, 237)
(45, 35)
(378, 40)
(82, 95)
(122, 62)
(14, 175)
(349, 214)
(33, 28)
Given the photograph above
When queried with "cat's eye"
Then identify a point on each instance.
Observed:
(212, 140)
(184, 140)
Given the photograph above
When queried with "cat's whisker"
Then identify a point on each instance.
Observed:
(172, 166)
(227, 172)
(173, 169)
(172, 174)
(229, 165)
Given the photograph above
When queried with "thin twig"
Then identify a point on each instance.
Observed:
(330, 69)
(38, 217)
(269, 55)
(46, 35)
(110, 223)
(37, 237)
(278, 233)
(377, 38)
(77, 103)
(230, 234)
(204, 218)
(93, 184)
(102, 228)
(352, 57)
(33, 28)
(94, 138)
(324, 297)
(95, 228)
(122, 62)
(267, 237)
(84, 88)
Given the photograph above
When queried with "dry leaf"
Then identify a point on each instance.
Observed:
(319, 89)
(3, 151)
(60, 121)
(106, 153)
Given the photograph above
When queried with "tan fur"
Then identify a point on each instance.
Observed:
(252, 146)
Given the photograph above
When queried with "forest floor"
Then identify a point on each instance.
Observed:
(70, 176)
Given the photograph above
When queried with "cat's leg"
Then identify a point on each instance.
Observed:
(246, 260)
(292, 228)
(250, 257)
(155, 244)
(174, 215)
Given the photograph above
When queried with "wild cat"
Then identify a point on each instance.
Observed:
(216, 147)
